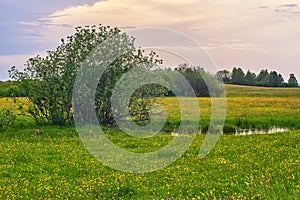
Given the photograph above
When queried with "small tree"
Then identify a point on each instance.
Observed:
(292, 82)
(224, 75)
(203, 83)
(49, 81)
(238, 76)
(262, 78)
(7, 117)
(274, 79)
(250, 78)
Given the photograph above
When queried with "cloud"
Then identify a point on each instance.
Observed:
(263, 7)
(289, 11)
(292, 5)
(232, 44)
(127, 27)
(233, 32)
(16, 18)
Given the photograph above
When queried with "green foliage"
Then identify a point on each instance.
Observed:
(264, 78)
(7, 118)
(229, 129)
(224, 75)
(274, 79)
(238, 76)
(203, 83)
(11, 89)
(49, 81)
(292, 82)
(250, 78)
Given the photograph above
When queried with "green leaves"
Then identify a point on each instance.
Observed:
(6, 118)
(48, 81)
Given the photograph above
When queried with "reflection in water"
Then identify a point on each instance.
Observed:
(256, 131)
(249, 131)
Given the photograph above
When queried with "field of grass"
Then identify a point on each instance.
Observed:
(247, 112)
(248, 108)
(263, 92)
(52, 163)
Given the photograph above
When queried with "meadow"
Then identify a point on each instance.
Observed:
(52, 163)
(246, 108)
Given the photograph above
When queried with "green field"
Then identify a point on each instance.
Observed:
(52, 163)
(248, 108)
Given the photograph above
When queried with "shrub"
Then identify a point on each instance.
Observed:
(229, 129)
(48, 81)
(6, 118)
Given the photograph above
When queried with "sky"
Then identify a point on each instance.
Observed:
(255, 35)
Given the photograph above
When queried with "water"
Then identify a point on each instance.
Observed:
(252, 132)
(256, 131)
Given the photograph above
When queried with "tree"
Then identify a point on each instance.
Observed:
(238, 76)
(250, 78)
(224, 75)
(292, 82)
(48, 81)
(203, 83)
(274, 79)
(262, 78)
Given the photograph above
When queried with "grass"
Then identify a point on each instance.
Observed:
(265, 92)
(52, 163)
(243, 112)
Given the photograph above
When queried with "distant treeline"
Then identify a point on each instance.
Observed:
(203, 83)
(198, 79)
(264, 78)
(11, 89)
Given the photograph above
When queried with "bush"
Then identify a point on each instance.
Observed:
(229, 129)
(49, 81)
(6, 118)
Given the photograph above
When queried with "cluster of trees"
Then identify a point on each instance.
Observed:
(11, 89)
(264, 78)
(48, 81)
(203, 83)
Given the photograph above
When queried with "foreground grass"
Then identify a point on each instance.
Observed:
(52, 163)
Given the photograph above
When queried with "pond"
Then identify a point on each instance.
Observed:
(251, 131)
(257, 131)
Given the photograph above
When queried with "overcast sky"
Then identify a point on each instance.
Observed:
(252, 34)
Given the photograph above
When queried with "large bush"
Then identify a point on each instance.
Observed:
(48, 81)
